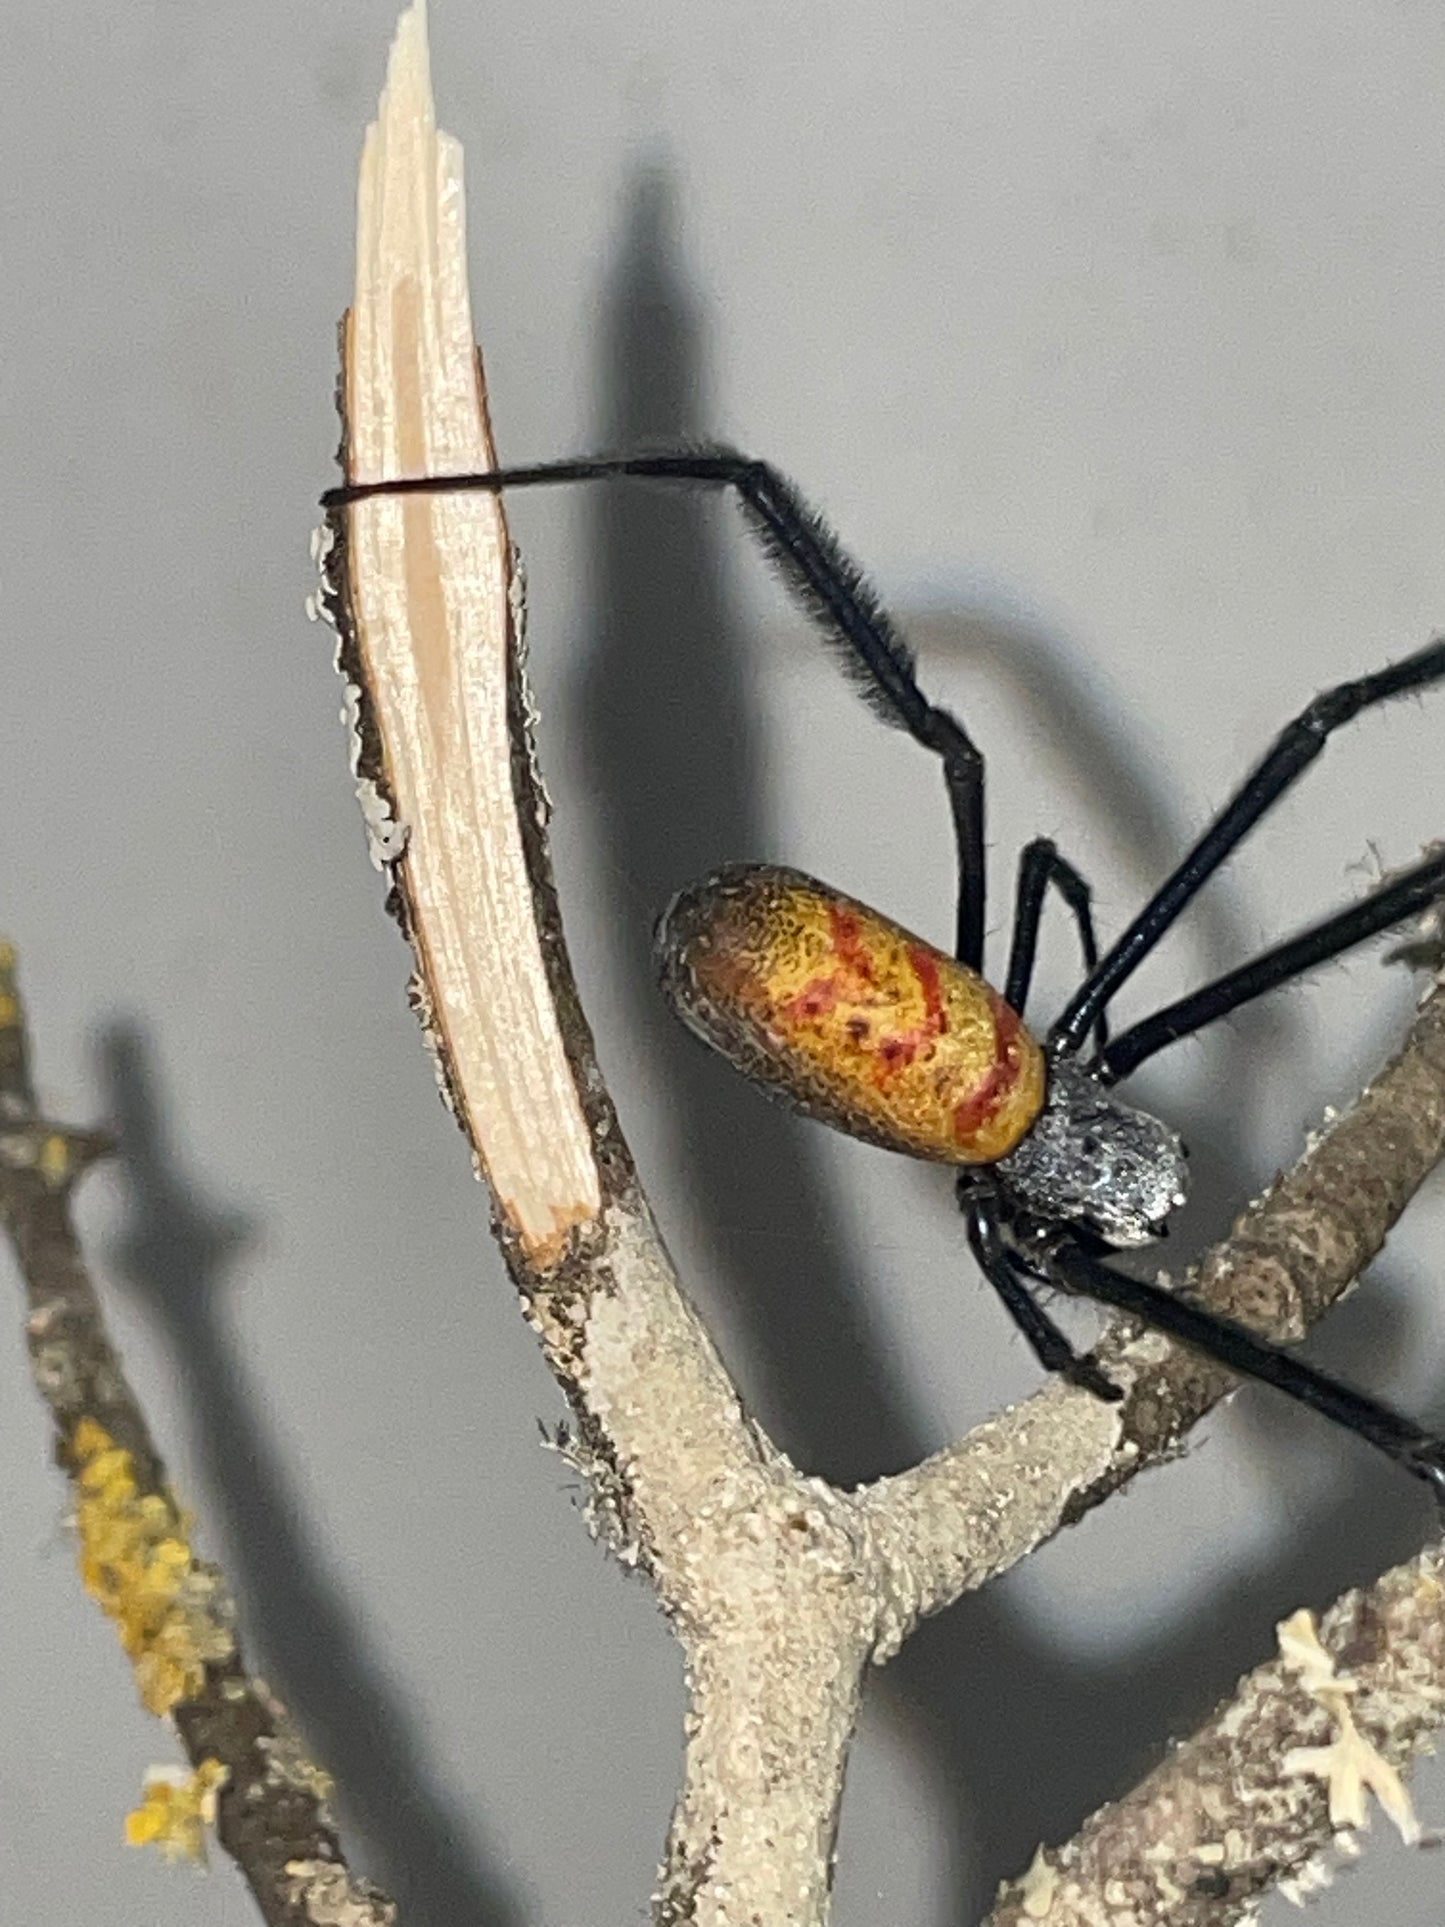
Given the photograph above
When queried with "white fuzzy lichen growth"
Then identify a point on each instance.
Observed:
(1350, 1766)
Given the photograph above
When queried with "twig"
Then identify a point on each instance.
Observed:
(172, 1609)
(780, 1588)
(1270, 1791)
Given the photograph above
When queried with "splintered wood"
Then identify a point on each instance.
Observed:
(428, 584)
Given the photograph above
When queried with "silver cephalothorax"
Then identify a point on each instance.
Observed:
(1088, 1156)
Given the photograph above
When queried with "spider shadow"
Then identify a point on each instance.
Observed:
(175, 1251)
(670, 738)
(1019, 1739)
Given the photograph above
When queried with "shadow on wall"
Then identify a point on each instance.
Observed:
(176, 1252)
(1020, 1741)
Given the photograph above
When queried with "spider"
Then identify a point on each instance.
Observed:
(847, 1018)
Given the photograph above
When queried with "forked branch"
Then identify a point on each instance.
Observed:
(780, 1588)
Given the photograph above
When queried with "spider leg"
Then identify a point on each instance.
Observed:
(1294, 750)
(1040, 864)
(1049, 1345)
(1239, 1350)
(826, 581)
(1390, 904)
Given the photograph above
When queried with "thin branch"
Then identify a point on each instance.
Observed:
(780, 1588)
(172, 1609)
(1270, 1792)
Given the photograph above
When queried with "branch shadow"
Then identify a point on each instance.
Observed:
(670, 739)
(1019, 1740)
(175, 1251)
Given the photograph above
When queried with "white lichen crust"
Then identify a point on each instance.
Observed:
(1271, 1792)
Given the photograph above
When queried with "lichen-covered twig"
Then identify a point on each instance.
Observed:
(1273, 1788)
(781, 1589)
(171, 1608)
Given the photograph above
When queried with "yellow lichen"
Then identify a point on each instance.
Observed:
(136, 1561)
(177, 1809)
(11, 1015)
(53, 1160)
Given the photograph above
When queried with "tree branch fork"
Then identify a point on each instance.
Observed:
(782, 1590)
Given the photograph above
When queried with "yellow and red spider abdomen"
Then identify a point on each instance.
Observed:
(849, 1018)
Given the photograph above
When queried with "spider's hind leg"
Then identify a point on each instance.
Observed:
(827, 582)
(1241, 1351)
(1042, 864)
(824, 579)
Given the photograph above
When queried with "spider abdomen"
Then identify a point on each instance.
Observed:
(849, 1018)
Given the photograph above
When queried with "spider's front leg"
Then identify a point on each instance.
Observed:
(1397, 899)
(1063, 1259)
(983, 1220)
(1294, 749)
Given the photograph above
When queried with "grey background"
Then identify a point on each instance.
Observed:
(1110, 337)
